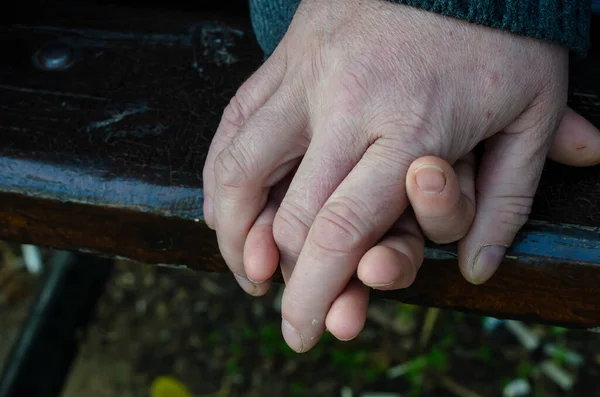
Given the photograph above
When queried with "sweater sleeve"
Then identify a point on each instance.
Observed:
(564, 22)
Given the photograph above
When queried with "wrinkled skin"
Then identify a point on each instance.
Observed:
(318, 153)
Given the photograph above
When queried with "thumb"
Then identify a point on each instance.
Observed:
(508, 178)
(577, 142)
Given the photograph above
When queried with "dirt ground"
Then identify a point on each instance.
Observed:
(201, 330)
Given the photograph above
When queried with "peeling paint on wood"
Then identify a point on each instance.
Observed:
(117, 117)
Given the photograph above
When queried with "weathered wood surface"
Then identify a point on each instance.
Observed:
(106, 156)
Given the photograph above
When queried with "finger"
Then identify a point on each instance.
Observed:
(260, 252)
(328, 160)
(508, 178)
(261, 256)
(348, 313)
(248, 99)
(442, 198)
(247, 169)
(394, 262)
(577, 142)
(445, 214)
(349, 224)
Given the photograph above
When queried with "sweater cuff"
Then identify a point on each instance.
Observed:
(563, 22)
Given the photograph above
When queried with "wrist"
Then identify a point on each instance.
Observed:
(562, 22)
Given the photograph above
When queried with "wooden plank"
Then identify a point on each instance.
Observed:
(106, 156)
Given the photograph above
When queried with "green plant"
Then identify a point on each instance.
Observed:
(447, 342)
(416, 383)
(458, 316)
(297, 388)
(348, 361)
(405, 312)
(235, 348)
(484, 354)
(559, 331)
(524, 369)
(559, 355)
(247, 332)
(232, 366)
(438, 359)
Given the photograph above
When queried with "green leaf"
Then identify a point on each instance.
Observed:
(371, 374)
(232, 366)
(247, 332)
(559, 331)
(524, 369)
(447, 341)
(296, 388)
(485, 354)
(416, 383)
(235, 348)
(560, 355)
(438, 359)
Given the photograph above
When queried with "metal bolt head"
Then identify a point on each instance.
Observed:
(54, 58)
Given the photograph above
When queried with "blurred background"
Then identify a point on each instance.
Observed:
(165, 332)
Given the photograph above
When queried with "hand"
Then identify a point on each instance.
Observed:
(444, 212)
(358, 91)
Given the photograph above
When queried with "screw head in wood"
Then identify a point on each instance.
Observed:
(54, 58)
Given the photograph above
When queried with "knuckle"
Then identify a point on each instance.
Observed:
(344, 128)
(239, 108)
(514, 211)
(395, 155)
(339, 229)
(413, 131)
(420, 130)
(290, 227)
(314, 65)
(232, 167)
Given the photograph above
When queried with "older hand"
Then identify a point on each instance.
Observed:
(351, 97)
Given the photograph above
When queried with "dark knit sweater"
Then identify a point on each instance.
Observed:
(564, 22)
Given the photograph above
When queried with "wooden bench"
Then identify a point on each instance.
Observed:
(106, 115)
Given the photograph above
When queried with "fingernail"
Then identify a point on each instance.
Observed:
(430, 178)
(256, 283)
(246, 284)
(208, 211)
(380, 286)
(292, 337)
(486, 262)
